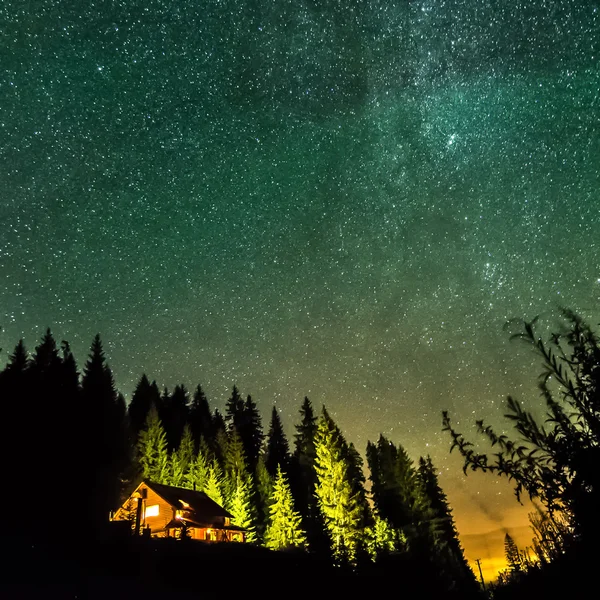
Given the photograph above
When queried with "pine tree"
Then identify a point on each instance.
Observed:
(200, 419)
(174, 415)
(145, 396)
(213, 486)
(234, 412)
(285, 526)
(234, 463)
(242, 509)
(250, 430)
(513, 556)
(396, 487)
(382, 538)
(104, 432)
(443, 527)
(357, 481)
(337, 502)
(182, 458)
(278, 450)
(304, 441)
(197, 475)
(217, 442)
(303, 479)
(153, 454)
(262, 495)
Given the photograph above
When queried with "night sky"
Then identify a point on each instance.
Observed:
(337, 198)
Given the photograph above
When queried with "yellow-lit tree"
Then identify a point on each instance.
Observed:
(285, 526)
(338, 504)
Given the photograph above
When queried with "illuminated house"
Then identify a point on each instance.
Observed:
(166, 511)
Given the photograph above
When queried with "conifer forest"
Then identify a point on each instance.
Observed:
(312, 495)
(299, 299)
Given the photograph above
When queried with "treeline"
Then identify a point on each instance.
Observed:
(76, 451)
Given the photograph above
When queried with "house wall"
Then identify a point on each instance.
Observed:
(165, 511)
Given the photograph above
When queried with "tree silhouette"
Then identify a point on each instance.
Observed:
(200, 419)
(103, 423)
(144, 396)
(278, 449)
(234, 409)
(251, 433)
(513, 556)
(555, 462)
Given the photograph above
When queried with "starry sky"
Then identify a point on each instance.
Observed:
(337, 198)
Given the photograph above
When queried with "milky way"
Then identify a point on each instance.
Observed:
(339, 199)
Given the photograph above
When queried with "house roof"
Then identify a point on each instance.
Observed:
(197, 502)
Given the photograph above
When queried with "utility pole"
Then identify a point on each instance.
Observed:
(478, 561)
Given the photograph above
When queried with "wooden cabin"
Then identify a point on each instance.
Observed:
(165, 511)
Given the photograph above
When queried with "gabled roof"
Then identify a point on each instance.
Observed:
(197, 502)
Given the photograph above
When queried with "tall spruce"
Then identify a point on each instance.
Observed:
(103, 432)
(213, 486)
(278, 449)
(357, 481)
(174, 415)
(200, 418)
(338, 503)
(251, 432)
(396, 487)
(234, 409)
(303, 479)
(152, 449)
(513, 556)
(262, 495)
(182, 458)
(234, 464)
(443, 527)
(144, 396)
(197, 474)
(242, 508)
(285, 524)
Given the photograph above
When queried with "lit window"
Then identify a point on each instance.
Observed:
(152, 511)
(227, 521)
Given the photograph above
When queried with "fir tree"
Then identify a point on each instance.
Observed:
(285, 526)
(153, 454)
(182, 458)
(303, 479)
(382, 538)
(443, 527)
(514, 557)
(234, 411)
(174, 415)
(197, 475)
(396, 487)
(278, 450)
(200, 419)
(213, 486)
(304, 442)
(262, 495)
(217, 442)
(357, 481)
(250, 430)
(145, 396)
(234, 463)
(242, 509)
(337, 502)
(103, 431)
